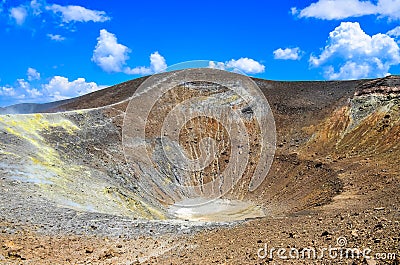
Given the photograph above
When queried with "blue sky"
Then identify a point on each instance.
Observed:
(57, 49)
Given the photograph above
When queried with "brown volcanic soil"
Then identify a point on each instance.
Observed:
(335, 174)
(104, 97)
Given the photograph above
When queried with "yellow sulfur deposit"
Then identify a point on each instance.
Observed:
(68, 184)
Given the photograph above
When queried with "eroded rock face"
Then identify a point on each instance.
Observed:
(384, 86)
(367, 126)
(375, 95)
(198, 133)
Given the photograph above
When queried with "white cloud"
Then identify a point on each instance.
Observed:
(35, 7)
(32, 74)
(19, 14)
(67, 14)
(26, 91)
(60, 88)
(109, 54)
(21, 91)
(350, 70)
(356, 54)
(33, 93)
(217, 65)
(23, 84)
(288, 54)
(157, 64)
(394, 32)
(78, 13)
(55, 37)
(245, 65)
(57, 88)
(7, 91)
(139, 70)
(294, 11)
(340, 9)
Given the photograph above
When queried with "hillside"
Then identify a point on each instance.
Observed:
(69, 195)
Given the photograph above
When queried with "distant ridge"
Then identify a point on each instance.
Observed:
(120, 92)
(26, 108)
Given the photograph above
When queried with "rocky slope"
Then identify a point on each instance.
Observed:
(64, 179)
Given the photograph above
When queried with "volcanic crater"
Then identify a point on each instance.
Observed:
(68, 194)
